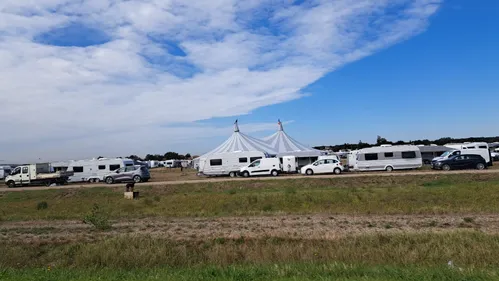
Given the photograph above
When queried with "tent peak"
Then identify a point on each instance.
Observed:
(280, 125)
(236, 127)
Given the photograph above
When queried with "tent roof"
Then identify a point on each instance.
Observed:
(240, 142)
(287, 146)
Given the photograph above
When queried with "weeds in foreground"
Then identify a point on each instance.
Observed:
(98, 218)
(42, 205)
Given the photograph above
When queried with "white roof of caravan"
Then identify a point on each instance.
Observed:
(287, 146)
(393, 148)
(239, 142)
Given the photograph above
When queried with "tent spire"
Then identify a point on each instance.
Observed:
(280, 125)
(236, 126)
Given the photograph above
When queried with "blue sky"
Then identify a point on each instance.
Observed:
(442, 82)
(111, 77)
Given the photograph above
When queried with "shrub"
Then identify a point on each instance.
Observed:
(267, 208)
(468, 220)
(42, 205)
(98, 218)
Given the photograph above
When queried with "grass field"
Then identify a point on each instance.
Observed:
(368, 228)
(424, 194)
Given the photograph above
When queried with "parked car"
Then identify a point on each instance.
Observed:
(323, 166)
(467, 161)
(134, 173)
(495, 155)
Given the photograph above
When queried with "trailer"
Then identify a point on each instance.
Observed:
(36, 174)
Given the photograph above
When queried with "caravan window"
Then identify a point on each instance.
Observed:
(388, 154)
(243, 160)
(128, 164)
(216, 162)
(78, 169)
(408, 154)
(483, 146)
(254, 158)
(102, 167)
(114, 167)
(371, 156)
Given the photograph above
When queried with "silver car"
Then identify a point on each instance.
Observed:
(134, 173)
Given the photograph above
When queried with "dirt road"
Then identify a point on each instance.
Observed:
(316, 226)
(282, 177)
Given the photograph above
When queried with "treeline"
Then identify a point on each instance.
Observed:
(158, 157)
(380, 140)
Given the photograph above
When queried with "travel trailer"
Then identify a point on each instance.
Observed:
(385, 158)
(262, 167)
(468, 145)
(94, 170)
(228, 163)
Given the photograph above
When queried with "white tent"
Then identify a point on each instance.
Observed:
(238, 142)
(287, 146)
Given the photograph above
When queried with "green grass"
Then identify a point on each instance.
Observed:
(423, 194)
(467, 249)
(334, 271)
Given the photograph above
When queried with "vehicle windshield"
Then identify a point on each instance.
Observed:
(445, 154)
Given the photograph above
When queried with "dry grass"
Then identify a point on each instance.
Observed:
(424, 194)
(464, 248)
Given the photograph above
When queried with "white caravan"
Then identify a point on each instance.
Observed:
(262, 167)
(4, 171)
(386, 158)
(228, 163)
(94, 170)
(330, 156)
(477, 148)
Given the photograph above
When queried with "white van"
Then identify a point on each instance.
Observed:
(228, 163)
(262, 167)
(386, 158)
(94, 170)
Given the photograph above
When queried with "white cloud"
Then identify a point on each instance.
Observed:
(239, 56)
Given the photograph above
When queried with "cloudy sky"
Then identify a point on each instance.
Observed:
(81, 78)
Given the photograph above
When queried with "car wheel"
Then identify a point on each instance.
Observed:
(11, 184)
(232, 174)
(309, 172)
(274, 173)
(137, 179)
(480, 166)
(389, 169)
(109, 180)
(446, 167)
(337, 171)
(48, 183)
(246, 174)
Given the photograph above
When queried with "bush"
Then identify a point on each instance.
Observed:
(42, 205)
(98, 218)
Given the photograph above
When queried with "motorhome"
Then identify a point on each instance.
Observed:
(468, 145)
(262, 167)
(94, 170)
(228, 163)
(385, 158)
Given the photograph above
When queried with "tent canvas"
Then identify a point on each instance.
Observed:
(285, 145)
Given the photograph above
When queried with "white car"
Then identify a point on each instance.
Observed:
(323, 166)
(495, 155)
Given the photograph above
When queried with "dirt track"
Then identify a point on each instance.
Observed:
(224, 179)
(317, 226)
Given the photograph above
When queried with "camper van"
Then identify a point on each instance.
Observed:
(386, 158)
(228, 163)
(484, 152)
(262, 167)
(94, 170)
